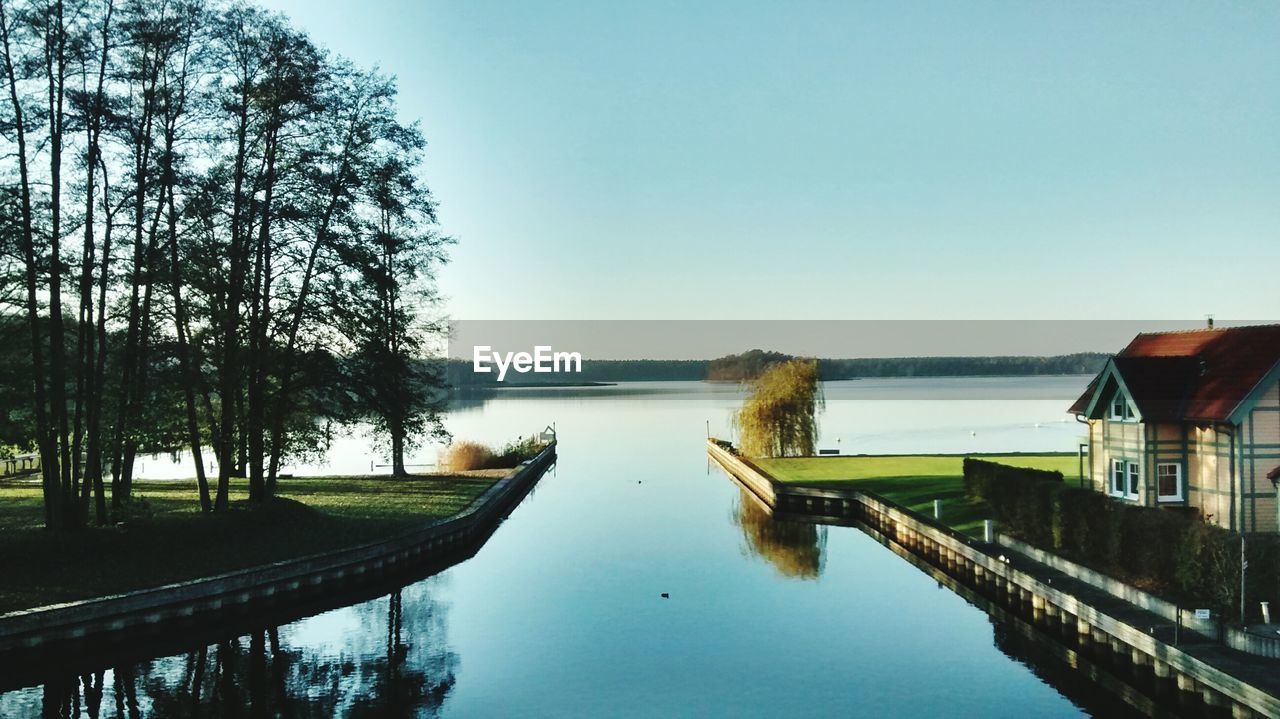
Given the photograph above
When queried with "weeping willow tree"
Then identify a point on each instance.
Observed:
(794, 548)
(779, 418)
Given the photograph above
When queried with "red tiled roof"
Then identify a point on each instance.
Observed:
(1196, 375)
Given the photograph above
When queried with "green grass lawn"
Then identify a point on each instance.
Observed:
(913, 481)
(176, 542)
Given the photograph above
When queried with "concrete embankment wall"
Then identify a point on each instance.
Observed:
(21, 465)
(1129, 593)
(1251, 643)
(123, 616)
(980, 565)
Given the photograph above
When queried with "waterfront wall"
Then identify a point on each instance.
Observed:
(22, 464)
(1114, 587)
(1253, 642)
(982, 565)
(54, 628)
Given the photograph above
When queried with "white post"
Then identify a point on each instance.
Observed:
(1244, 566)
(937, 509)
(1266, 612)
(988, 531)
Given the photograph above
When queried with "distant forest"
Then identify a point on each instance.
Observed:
(747, 365)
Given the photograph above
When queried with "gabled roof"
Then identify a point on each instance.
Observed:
(1204, 375)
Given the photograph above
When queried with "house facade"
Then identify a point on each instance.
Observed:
(1190, 420)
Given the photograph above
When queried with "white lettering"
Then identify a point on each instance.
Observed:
(576, 357)
(541, 357)
(502, 366)
(543, 360)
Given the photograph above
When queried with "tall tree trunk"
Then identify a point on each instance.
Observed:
(129, 359)
(285, 373)
(44, 440)
(397, 451)
(189, 380)
(95, 450)
(260, 332)
(230, 379)
(55, 64)
(88, 387)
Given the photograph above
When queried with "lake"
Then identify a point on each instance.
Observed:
(562, 613)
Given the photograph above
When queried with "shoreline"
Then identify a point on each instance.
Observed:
(1101, 623)
(49, 632)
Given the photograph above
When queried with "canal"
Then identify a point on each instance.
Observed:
(636, 580)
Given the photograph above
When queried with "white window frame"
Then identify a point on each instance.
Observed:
(1177, 474)
(1134, 475)
(1126, 414)
(1119, 477)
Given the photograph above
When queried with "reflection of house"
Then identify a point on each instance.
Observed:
(1191, 419)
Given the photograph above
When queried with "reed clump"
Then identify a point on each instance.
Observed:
(465, 456)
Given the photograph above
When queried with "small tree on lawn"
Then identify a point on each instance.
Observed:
(779, 416)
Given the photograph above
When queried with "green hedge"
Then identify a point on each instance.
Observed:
(1169, 550)
(981, 478)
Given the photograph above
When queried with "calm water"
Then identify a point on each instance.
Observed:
(561, 613)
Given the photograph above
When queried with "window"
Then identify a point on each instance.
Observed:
(1117, 476)
(1120, 409)
(1133, 480)
(1169, 481)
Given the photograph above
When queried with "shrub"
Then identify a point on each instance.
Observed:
(464, 456)
(516, 452)
(981, 477)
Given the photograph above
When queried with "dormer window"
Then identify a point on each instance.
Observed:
(1121, 410)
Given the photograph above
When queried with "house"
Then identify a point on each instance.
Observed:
(1190, 419)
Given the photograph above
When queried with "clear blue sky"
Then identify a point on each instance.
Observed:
(841, 160)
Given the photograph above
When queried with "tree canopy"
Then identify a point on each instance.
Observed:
(210, 228)
(779, 416)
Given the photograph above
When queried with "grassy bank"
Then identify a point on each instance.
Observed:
(172, 541)
(913, 481)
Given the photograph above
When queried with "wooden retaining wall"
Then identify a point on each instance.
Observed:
(973, 563)
(57, 628)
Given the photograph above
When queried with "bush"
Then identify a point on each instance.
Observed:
(464, 456)
(981, 477)
(1163, 548)
(516, 452)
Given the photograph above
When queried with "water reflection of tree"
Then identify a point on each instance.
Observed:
(795, 549)
(407, 672)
